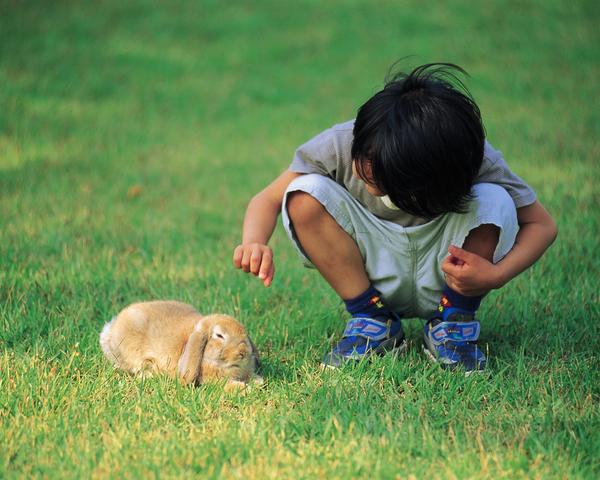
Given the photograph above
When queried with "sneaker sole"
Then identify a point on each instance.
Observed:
(381, 350)
(432, 359)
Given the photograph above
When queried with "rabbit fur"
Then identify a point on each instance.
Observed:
(172, 337)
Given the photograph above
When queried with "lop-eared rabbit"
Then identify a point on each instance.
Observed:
(173, 338)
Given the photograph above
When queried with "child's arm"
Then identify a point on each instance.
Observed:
(253, 255)
(474, 275)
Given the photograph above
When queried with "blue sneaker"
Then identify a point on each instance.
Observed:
(453, 343)
(365, 336)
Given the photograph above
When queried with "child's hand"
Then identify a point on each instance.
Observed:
(468, 273)
(257, 259)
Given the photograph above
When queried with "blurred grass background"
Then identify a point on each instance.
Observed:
(132, 135)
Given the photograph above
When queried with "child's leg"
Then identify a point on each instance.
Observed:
(382, 250)
(313, 210)
(331, 250)
(482, 241)
(489, 230)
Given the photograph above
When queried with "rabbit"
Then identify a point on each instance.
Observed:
(173, 338)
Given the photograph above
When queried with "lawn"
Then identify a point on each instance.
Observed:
(133, 134)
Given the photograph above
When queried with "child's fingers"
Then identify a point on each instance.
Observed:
(459, 273)
(455, 284)
(254, 258)
(269, 277)
(245, 263)
(238, 254)
(455, 260)
(450, 282)
(255, 261)
(450, 268)
(460, 254)
(265, 265)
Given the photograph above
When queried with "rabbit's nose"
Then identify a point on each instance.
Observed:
(243, 352)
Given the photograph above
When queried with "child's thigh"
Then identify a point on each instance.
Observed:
(384, 246)
(491, 204)
(364, 227)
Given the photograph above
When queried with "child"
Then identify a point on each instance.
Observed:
(406, 211)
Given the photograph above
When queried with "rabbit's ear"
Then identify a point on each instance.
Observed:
(191, 359)
(255, 353)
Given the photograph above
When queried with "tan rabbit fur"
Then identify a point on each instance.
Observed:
(172, 337)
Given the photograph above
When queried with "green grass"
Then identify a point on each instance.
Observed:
(132, 135)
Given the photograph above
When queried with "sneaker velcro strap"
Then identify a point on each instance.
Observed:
(367, 328)
(454, 332)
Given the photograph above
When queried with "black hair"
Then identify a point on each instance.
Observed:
(422, 140)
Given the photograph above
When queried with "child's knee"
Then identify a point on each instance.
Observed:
(483, 240)
(303, 208)
(300, 203)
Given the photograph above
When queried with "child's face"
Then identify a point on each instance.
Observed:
(370, 186)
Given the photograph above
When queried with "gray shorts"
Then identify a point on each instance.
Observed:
(404, 263)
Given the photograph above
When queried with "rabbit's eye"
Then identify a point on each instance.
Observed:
(218, 335)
